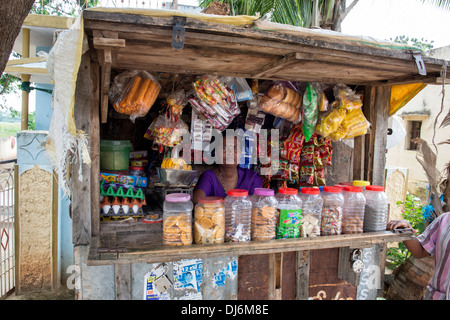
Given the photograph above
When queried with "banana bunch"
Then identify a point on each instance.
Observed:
(175, 164)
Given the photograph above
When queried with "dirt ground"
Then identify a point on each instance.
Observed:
(61, 294)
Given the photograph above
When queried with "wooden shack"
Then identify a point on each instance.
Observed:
(116, 258)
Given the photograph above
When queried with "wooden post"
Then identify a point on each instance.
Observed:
(25, 78)
(376, 109)
(81, 189)
(302, 275)
(95, 150)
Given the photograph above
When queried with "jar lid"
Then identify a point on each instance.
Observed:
(335, 189)
(136, 168)
(237, 192)
(353, 189)
(210, 200)
(178, 197)
(360, 183)
(375, 188)
(264, 192)
(310, 191)
(346, 183)
(288, 191)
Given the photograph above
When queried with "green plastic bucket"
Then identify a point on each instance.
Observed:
(114, 154)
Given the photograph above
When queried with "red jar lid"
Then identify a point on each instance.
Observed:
(310, 191)
(210, 200)
(237, 192)
(288, 191)
(353, 189)
(136, 168)
(375, 188)
(334, 189)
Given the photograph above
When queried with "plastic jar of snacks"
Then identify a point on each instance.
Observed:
(354, 205)
(311, 212)
(264, 214)
(376, 210)
(209, 220)
(238, 212)
(137, 171)
(289, 213)
(332, 210)
(177, 219)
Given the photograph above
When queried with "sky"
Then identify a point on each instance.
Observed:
(380, 19)
(385, 19)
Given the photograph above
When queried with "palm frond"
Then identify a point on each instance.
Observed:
(427, 158)
(443, 4)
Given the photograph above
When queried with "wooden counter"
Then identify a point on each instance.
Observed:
(151, 253)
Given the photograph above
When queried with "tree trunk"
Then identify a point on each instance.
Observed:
(12, 15)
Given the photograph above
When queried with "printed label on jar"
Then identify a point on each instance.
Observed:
(290, 218)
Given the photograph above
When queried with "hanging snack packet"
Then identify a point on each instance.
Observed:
(166, 132)
(346, 97)
(310, 111)
(134, 93)
(215, 101)
(331, 121)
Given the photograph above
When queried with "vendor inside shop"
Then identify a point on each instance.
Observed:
(226, 174)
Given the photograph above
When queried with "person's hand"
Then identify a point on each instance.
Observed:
(399, 224)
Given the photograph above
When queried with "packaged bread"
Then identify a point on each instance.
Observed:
(133, 93)
(282, 102)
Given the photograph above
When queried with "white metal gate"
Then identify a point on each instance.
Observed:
(7, 259)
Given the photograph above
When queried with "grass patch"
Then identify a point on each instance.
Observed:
(9, 129)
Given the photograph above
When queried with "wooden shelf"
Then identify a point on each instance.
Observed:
(161, 253)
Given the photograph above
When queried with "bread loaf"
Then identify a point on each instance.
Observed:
(282, 102)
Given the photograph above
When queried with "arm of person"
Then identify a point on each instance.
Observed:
(413, 245)
(197, 194)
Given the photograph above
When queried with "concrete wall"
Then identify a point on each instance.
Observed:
(427, 102)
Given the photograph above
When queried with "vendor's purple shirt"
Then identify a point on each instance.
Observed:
(211, 186)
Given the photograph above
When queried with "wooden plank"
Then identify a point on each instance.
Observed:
(161, 253)
(81, 190)
(274, 66)
(324, 283)
(122, 274)
(344, 267)
(106, 78)
(275, 276)
(302, 282)
(289, 276)
(253, 277)
(95, 149)
(92, 19)
(108, 43)
(56, 281)
(376, 110)
(17, 231)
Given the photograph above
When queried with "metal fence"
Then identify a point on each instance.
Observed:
(7, 267)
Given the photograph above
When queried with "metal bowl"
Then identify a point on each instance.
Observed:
(176, 177)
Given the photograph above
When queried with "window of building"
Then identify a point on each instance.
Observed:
(413, 132)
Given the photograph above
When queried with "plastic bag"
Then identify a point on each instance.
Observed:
(215, 101)
(355, 124)
(240, 87)
(134, 93)
(310, 111)
(346, 97)
(330, 122)
(282, 102)
(176, 102)
(165, 131)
